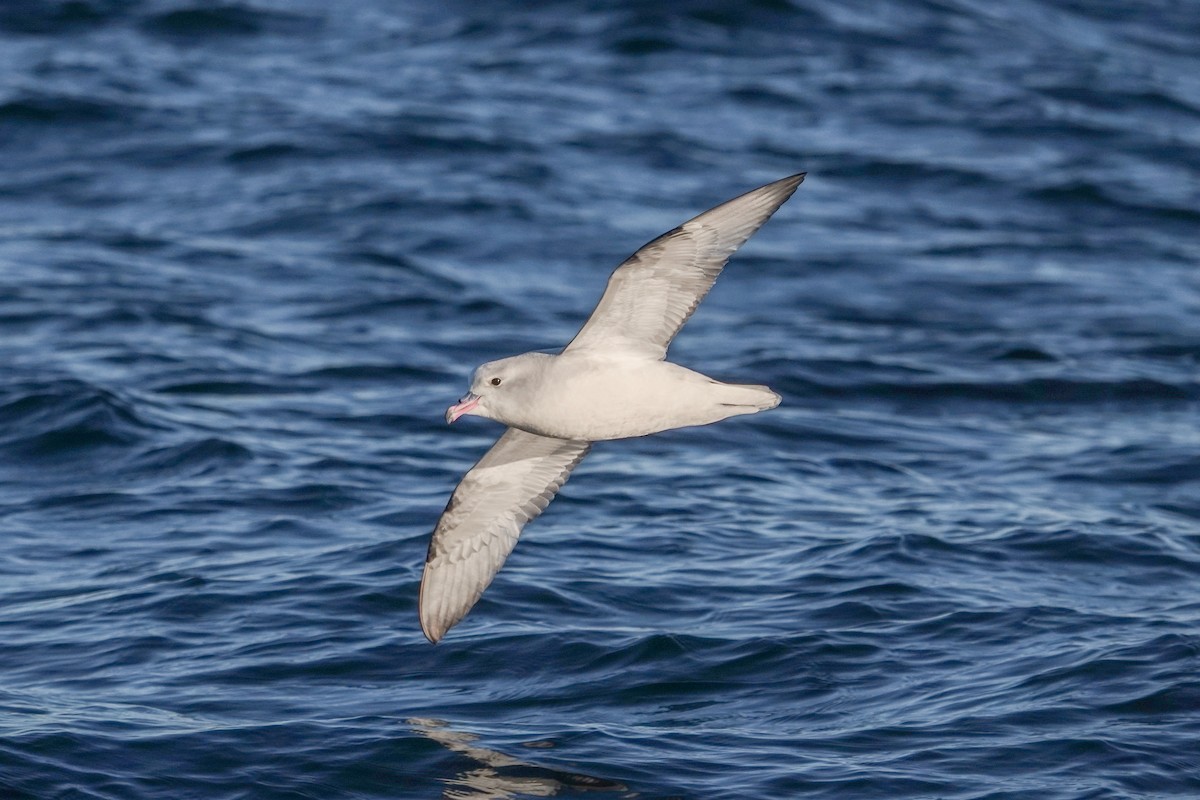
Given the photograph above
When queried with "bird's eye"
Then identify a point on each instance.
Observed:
(495, 381)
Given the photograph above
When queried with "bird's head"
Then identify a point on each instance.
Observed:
(496, 386)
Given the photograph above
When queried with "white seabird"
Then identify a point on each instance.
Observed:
(610, 382)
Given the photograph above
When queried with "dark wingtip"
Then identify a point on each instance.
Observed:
(433, 636)
(786, 187)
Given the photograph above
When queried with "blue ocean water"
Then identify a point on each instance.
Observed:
(250, 251)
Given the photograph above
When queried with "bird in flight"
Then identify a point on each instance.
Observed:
(611, 382)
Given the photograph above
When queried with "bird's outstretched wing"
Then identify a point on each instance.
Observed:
(511, 484)
(655, 290)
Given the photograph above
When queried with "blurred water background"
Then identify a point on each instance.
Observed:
(250, 251)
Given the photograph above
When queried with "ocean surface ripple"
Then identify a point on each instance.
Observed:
(250, 251)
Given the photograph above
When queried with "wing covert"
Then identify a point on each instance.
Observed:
(653, 293)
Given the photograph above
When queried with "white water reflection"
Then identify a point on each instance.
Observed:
(501, 777)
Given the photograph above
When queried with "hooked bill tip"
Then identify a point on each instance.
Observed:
(464, 405)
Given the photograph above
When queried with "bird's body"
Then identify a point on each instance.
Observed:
(611, 382)
(597, 397)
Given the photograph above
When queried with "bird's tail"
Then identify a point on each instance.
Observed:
(750, 397)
